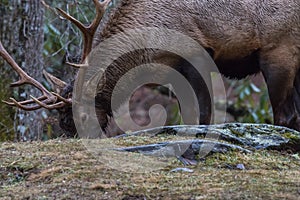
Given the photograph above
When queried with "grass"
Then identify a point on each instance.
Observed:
(65, 169)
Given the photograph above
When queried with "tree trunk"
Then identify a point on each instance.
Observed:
(21, 31)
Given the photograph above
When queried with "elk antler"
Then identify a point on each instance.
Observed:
(87, 31)
(47, 100)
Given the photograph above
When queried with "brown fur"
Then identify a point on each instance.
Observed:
(243, 37)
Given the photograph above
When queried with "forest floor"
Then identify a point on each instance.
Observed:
(67, 169)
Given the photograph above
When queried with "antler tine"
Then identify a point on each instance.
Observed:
(77, 23)
(26, 102)
(48, 106)
(69, 101)
(25, 78)
(77, 66)
(100, 10)
(23, 107)
(46, 98)
(14, 65)
(87, 31)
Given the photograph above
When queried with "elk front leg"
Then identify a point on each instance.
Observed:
(103, 109)
(201, 86)
(280, 67)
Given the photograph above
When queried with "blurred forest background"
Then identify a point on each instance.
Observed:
(38, 39)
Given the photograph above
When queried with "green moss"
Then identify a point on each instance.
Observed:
(291, 136)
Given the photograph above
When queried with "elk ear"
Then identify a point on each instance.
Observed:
(57, 85)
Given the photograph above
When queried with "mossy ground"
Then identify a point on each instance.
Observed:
(65, 169)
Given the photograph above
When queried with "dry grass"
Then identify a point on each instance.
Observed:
(65, 169)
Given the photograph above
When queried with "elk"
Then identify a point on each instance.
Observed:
(243, 38)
